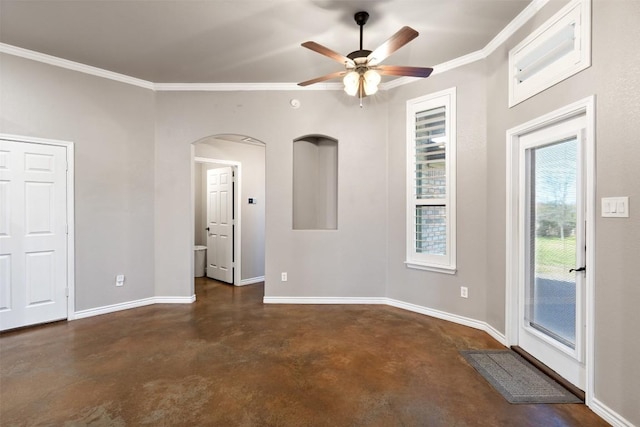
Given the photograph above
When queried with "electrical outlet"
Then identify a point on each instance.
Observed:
(464, 292)
(120, 280)
(284, 276)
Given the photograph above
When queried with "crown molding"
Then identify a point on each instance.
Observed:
(437, 69)
(513, 26)
(478, 55)
(226, 87)
(71, 65)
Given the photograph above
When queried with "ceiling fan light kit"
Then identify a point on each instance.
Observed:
(362, 73)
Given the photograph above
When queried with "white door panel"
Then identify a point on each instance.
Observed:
(552, 238)
(220, 224)
(33, 239)
(5, 215)
(5, 280)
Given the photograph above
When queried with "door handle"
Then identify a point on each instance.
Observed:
(578, 269)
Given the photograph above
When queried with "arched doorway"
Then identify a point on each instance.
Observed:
(245, 157)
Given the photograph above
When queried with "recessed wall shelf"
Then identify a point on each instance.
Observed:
(315, 183)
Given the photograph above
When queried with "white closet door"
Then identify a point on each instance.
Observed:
(33, 233)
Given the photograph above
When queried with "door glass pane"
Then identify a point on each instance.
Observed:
(552, 212)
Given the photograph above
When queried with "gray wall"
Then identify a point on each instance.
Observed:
(500, 118)
(199, 206)
(483, 119)
(348, 262)
(111, 125)
(437, 290)
(614, 79)
(252, 159)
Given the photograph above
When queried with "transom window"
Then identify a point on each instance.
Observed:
(560, 48)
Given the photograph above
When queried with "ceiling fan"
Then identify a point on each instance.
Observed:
(362, 67)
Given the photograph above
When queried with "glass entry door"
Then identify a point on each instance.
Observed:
(553, 253)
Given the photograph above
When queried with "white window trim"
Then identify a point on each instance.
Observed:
(576, 14)
(436, 263)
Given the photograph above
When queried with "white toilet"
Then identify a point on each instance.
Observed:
(200, 260)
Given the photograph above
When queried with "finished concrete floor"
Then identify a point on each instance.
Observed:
(229, 360)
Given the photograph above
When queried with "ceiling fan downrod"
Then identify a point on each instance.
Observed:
(361, 18)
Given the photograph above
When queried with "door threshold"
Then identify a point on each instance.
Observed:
(549, 372)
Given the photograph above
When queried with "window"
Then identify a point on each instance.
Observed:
(560, 48)
(431, 162)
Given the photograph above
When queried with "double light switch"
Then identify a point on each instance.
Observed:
(616, 207)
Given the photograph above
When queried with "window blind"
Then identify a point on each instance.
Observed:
(430, 151)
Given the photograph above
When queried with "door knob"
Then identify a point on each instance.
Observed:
(578, 269)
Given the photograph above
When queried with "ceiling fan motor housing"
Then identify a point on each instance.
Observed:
(363, 53)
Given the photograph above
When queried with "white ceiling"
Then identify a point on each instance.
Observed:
(244, 41)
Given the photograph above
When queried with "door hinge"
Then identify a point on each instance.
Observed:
(66, 229)
(66, 292)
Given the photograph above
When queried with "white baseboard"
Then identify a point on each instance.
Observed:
(461, 320)
(250, 281)
(323, 300)
(466, 321)
(608, 414)
(496, 334)
(175, 300)
(82, 314)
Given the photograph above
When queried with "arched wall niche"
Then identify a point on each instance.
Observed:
(315, 183)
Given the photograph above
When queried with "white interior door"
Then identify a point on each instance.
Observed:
(220, 224)
(33, 239)
(552, 249)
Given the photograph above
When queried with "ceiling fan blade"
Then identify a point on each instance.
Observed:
(395, 42)
(323, 78)
(328, 52)
(398, 70)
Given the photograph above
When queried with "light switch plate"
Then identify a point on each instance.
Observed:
(615, 207)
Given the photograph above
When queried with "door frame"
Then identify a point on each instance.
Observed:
(237, 206)
(71, 288)
(585, 106)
